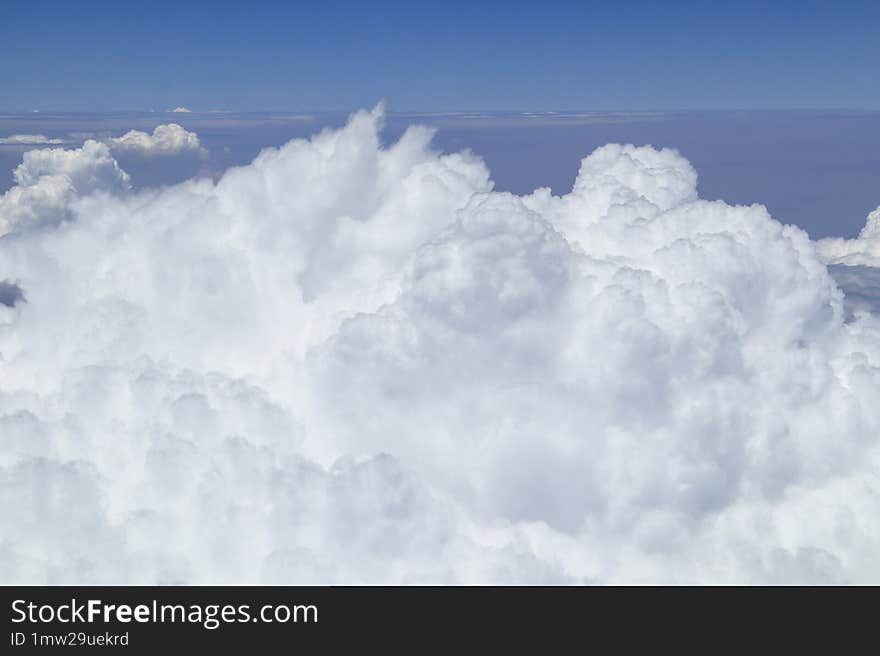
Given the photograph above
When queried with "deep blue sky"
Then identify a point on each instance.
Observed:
(450, 55)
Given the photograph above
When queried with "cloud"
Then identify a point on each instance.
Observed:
(346, 362)
(48, 182)
(181, 110)
(165, 140)
(28, 140)
(865, 250)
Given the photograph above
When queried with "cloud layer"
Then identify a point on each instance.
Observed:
(358, 363)
(28, 140)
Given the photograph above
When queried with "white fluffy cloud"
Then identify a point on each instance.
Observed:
(165, 140)
(48, 183)
(350, 362)
(28, 140)
(860, 284)
(181, 110)
(865, 250)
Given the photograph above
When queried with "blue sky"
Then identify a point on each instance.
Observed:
(440, 56)
(814, 168)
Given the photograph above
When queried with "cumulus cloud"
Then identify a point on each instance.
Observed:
(10, 293)
(181, 110)
(165, 140)
(49, 181)
(28, 140)
(865, 250)
(352, 362)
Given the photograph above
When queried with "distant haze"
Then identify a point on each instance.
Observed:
(816, 169)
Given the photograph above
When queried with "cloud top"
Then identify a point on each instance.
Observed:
(351, 362)
(28, 140)
(165, 140)
(49, 180)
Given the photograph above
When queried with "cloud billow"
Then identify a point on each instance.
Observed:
(862, 251)
(50, 180)
(346, 362)
(167, 139)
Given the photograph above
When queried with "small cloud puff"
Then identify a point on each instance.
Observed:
(165, 140)
(181, 110)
